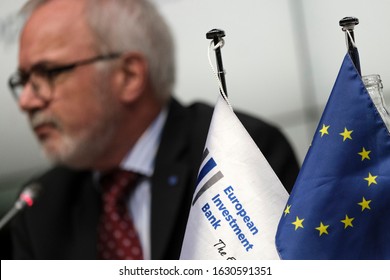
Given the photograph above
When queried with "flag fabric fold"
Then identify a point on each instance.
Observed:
(238, 198)
(340, 204)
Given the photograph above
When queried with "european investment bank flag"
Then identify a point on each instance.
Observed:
(340, 204)
(238, 199)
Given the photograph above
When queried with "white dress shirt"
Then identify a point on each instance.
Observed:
(141, 159)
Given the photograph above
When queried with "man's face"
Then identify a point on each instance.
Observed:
(76, 125)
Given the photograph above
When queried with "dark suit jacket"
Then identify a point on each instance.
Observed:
(62, 224)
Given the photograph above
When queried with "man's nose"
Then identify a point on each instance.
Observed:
(29, 100)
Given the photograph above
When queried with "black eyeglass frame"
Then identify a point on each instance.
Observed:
(21, 78)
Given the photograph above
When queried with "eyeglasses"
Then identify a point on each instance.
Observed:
(42, 77)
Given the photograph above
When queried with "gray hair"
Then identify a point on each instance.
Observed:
(131, 25)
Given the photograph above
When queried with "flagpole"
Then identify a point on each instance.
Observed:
(216, 35)
(348, 24)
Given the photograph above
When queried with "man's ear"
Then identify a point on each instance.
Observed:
(134, 76)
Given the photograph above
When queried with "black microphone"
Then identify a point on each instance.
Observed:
(26, 199)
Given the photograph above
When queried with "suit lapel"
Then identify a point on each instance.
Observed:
(171, 184)
(85, 217)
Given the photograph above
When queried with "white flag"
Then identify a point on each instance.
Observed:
(238, 199)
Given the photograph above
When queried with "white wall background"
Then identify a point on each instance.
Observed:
(281, 59)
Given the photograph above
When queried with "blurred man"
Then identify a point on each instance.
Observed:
(95, 79)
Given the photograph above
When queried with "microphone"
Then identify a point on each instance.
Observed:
(26, 199)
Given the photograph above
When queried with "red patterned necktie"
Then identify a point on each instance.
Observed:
(118, 238)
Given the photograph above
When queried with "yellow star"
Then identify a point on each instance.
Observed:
(371, 179)
(322, 228)
(347, 221)
(298, 223)
(346, 134)
(287, 210)
(324, 130)
(364, 154)
(365, 204)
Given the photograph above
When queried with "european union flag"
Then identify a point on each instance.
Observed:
(340, 205)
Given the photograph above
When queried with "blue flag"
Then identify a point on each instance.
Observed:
(340, 205)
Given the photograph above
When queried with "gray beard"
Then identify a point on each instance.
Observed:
(81, 151)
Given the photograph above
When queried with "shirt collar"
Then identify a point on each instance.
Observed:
(141, 157)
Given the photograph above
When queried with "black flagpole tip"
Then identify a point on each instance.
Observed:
(349, 22)
(215, 33)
